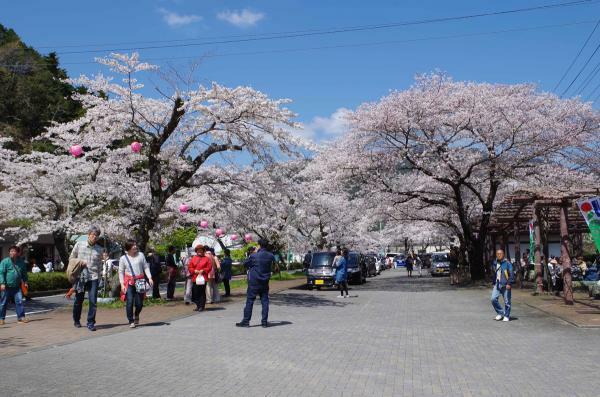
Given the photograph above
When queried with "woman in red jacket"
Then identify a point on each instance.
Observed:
(199, 265)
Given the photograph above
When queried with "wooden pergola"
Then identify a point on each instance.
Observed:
(550, 213)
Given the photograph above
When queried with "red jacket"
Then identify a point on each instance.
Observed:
(199, 263)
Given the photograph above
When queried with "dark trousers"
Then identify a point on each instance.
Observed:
(156, 286)
(199, 296)
(132, 298)
(343, 286)
(227, 287)
(92, 288)
(171, 282)
(255, 289)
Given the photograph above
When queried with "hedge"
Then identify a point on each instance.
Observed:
(48, 281)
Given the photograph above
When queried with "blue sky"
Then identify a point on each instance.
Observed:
(320, 82)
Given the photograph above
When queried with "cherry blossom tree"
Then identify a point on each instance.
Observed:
(455, 146)
(179, 133)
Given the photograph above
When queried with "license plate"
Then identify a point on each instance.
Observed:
(440, 270)
(319, 282)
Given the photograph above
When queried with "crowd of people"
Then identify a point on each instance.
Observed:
(139, 275)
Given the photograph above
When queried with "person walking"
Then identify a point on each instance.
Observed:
(132, 268)
(212, 289)
(171, 273)
(259, 267)
(503, 280)
(409, 264)
(341, 272)
(13, 273)
(199, 267)
(155, 270)
(226, 267)
(306, 261)
(92, 256)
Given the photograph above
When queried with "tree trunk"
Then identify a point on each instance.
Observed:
(475, 256)
(62, 246)
(565, 258)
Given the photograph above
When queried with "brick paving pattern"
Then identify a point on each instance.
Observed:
(397, 337)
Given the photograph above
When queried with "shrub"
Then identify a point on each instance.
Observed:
(48, 281)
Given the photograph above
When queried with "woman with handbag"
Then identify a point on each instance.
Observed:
(199, 266)
(132, 268)
(212, 287)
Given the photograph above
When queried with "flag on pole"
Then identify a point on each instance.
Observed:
(590, 209)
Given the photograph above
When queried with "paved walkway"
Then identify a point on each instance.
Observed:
(396, 337)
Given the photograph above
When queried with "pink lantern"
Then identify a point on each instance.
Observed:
(234, 237)
(219, 232)
(184, 208)
(136, 147)
(248, 237)
(203, 224)
(76, 150)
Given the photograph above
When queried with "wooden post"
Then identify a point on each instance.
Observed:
(517, 242)
(505, 245)
(537, 250)
(565, 258)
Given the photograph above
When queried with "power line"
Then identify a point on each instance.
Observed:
(581, 70)
(576, 56)
(350, 45)
(331, 31)
(590, 77)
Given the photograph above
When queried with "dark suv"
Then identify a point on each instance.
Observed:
(321, 273)
(357, 269)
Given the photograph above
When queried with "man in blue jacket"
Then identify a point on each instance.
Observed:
(504, 277)
(259, 267)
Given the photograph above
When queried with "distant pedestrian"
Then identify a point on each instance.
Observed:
(336, 258)
(132, 269)
(259, 267)
(13, 274)
(199, 267)
(35, 268)
(185, 272)
(341, 272)
(155, 270)
(91, 255)
(212, 287)
(503, 280)
(307, 259)
(453, 265)
(409, 264)
(226, 270)
(171, 273)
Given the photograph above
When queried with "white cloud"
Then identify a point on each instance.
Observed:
(176, 20)
(325, 128)
(242, 19)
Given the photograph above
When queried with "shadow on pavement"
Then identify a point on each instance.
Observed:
(401, 282)
(273, 324)
(303, 300)
(109, 326)
(155, 324)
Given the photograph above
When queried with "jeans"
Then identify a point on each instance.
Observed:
(262, 290)
(199, 296)
(92, 288)
(496, 292)
(156, 286)
(14, 292)
(172, 280)
(133, 298)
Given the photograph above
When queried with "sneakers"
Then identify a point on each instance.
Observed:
(23, 320)
(136, 320)
(77, 325)
(498, 317)
(265, 325)
(91, 327)
(242, 325)
(506, 319)
(132, 325)
(341, 296)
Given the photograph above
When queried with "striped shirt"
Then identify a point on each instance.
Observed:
(91, 255)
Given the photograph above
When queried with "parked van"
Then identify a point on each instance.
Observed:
(321, 273)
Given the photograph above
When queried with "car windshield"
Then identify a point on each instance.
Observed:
(352, 260)
(322, 259)
(439, 258)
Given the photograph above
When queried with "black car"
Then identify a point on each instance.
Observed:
(321, 273)
(357, 270)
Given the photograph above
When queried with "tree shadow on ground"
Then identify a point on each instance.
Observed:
(304, 300)
(403, 283)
